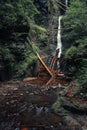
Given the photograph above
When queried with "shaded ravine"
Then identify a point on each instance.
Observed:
(28, 105)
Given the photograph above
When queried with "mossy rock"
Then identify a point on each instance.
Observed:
(63, 106)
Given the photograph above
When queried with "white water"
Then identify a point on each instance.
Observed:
(66, 3)
(59, 43)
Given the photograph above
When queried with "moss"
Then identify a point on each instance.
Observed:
(58, 107)
(71, 51)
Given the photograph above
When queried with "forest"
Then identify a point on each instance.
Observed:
(43, 64)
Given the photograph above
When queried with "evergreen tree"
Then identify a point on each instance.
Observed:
(75, 35)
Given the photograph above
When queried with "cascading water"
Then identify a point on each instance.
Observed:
(59, 43)
(66, 3)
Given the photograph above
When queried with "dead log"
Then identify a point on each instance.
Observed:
(49, 81)
(29, 79)
(44, 65)
(61, 75)
(54, 59)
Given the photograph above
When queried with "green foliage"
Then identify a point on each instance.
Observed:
(23, 65)
(75, 35)
(29, 59)
(75, 22)
(83, 78)
(82, 48)
(7, 56)
(43, 36)
(54, 4)
(6, 53)
(71, 51)
(36, 27)
(16, 15)
(29, 8)
(15, 26)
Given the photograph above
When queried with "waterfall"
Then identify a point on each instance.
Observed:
(59, 43)
(66, 3)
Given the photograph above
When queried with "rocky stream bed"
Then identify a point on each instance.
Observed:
(28, 106)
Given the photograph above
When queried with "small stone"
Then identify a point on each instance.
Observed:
(35, 92)
(54, 87)
(52, 126)
(4, 94)
(7, 103)
(15, 88)
(17, 129)
(31, 94)
(21, 94)
(81, 94)
(59, 85)
(27, 92)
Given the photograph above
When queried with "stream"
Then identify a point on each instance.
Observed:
(28, 107)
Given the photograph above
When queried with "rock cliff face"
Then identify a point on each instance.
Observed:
(48, 18)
